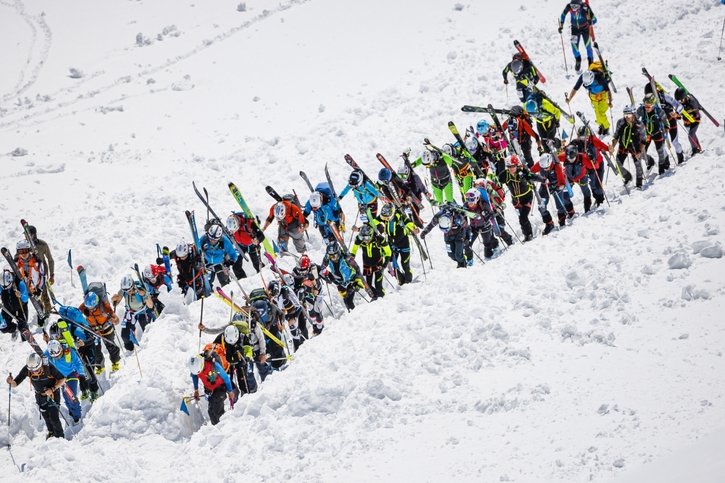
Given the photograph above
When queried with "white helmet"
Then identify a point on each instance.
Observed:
(7, 278)
(288, 280)
(472, 144)
(34, 362)
(55, 349)
(472, 196)
(280, 211)
(427, 158)
(23, 245)
(215, 232)
(587, 78)
(545, 161)
(182, 250)
(445, 222)
(195, 364)
(232, 223)
(148, 273)
(403, 171)
(316, 199)
(126, 282)
(231, 334)
(448, 149)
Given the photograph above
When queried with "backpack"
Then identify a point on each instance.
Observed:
(258, 294)
(292, 199)
(99, 288)
(211, 350)
(495, 190)
(326, 192)
(596, 66)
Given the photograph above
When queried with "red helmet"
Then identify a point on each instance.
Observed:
(513, 161)
(304, 262)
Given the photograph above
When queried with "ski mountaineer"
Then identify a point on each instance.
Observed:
(520, 130)
(84, 344)
(398, 228)
(582, 19)
(595, 82)
(415, 191)
(219, 254)
(189, 269)
(518, 179)
(476, 201)
(14, 310)
(291, 224)
(342, 273)
(629, 136)
(524, 73)
(576, 169)
(492, 142)
(33, 273)
(248, 236)
(478, 149)
(325, 209)
(553, 184)
(308, 286)
(494, 192)
(655, 123)
(283, 295)
(208, 369)
(461, 166)
(240, 354)
(67, 361)
(438, 165)
(271, 317)
(42, 250)
(692, 107)
(547, 117)
(46, 381)
(101, 319)
(139, 308)
(154, 277)
(456, 233)
(376, 256)
(364, 191)
(673, 110)
(587, 143)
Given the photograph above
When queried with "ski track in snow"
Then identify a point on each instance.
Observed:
(574, 357)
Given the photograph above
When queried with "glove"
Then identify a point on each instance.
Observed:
(422, 236)
(561, 28)
(196, 395)
(506, 81)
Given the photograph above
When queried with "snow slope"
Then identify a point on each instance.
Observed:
(582, 356)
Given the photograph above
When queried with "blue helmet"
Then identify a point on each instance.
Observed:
(385, 175)
(482, 127)
(91, 300)
(532, 107)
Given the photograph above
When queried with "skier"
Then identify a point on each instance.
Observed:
(68, 363)
(102, 319)
(14, 309)
(582, 19)
(629, 135)
(553, 184)
(376, 256)
(547, 117)
(692, 107)
(673, 110)
(364, 190)
(83, 344)
(240, 354)
(518, 179)
(154, 277)
(655, 123)
(595, 82)
(139, 308)
(482, 224)
(208, 369)
(398, 228)
(576, 169)
(440, 176)
(493, 192)
(291, 224)
(456, 233)
(219, 253)
(309, 290)
(587, 143)
(33, 273)
(283, 295)
(519, 127)
(190, 269)
(342, 273)
(325, 209)
(415, 191)
(271, 318)
(462, 166)
(42, 251)
(524, 73)
(492, 143)
(248, 236)
(46, 381)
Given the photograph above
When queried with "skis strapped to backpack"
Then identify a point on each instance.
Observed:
(525, 56)
(33, 299)
(303, 175)
(468, 108)
(604, 153)
(195, 235)
(221, 223)
(605, 66)
(677, 82)
(245, 209)
(350, 259)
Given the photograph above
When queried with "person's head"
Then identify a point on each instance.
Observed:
(280, 211)
(649, 102)
(517, 110)
(575, 5)
(587, 78)
(233, 223)
(572, 153)
(356, 178)
(680, 94)
(546, 160)
(214, 233)
(91, 300)
(482, 127)
(34, 363)
(195, 364)
(517, 66)
(472, 144)
(387, 211)
(445, 222)
(584, 132)
(403, 172)
(429, 157)
(231, 334)
(333, 251)
(366, 234)
(629, 113)
(127, 284)
(532, 107)
(273, 288)
(472, 197)
(148, 273)
(23, 248)
(7, 279)
(512, 162)
(182, 250)
(385, 175)
(304, 262)
(316, 200)
(55, 349)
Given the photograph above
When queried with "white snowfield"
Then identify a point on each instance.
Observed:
(592, 354)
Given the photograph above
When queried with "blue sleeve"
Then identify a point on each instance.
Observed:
(195, 381)
(79, 333)
(335, 206)
(229, 249)
(345, 191)
(23, 292)
(563, 14)
(225, 377)
(78, 364)
(307, 210)
(372, 189)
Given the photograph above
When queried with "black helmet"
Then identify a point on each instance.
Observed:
(366, 234)
(273, 288)
(584, 131)
(517, 66)
(33, 231)
(517, 110)
(387, 211)
(356, 178)
(649, 99)
(333, 251)
(571, 152)
(680, 94)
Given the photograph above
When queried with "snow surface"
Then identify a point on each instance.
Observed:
(593, 354)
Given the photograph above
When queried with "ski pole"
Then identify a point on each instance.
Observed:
(563, 52)
(231, 306)
(721, 35)
(425, 243)
(201, 320)
(10, 396)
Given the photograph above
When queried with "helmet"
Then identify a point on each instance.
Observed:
(387, 211)
(517, 66)
(304, 262)
(7, 278)
(34, 362)
(333, 251)
(280, 211)
(54, 330)
(629, 110)
(482, 126)
(315, 200)
(571, 152)
(680, 93)
(366, 234)
(575, 4)
(288, 280)
(444, 222)
(472, 196)
(273, 288)
(23, 245)
(472, 144)
(232, 224)
(148, 273)
(195, 364)
(403, 171)
(55, 349)
(649, 100)
(479, 183)
(546, 160)
(513, 161)
(385, 175)
(231, 334)
(584, 131)
(91, 300)
(261, 308)
(356, 178)
(587, 78)
(33, 231)
(429, 157)
(517, 110)
(532, 107)
(448, 149)
(126, 282)
(182, 250)
(214, 232)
